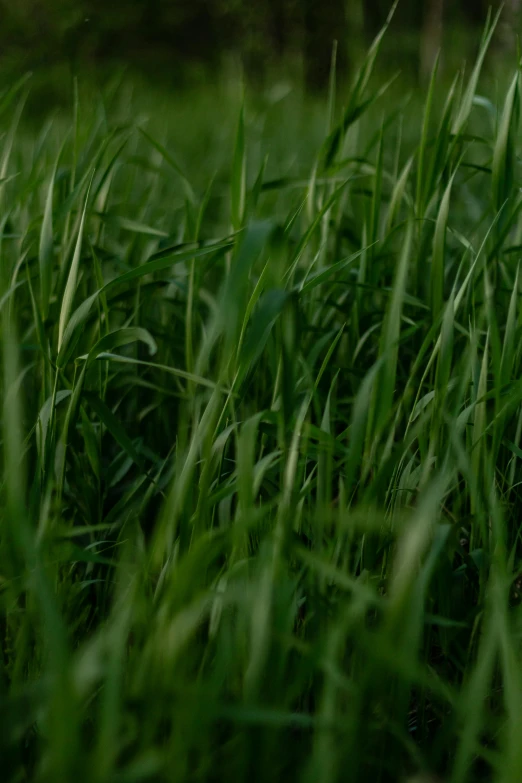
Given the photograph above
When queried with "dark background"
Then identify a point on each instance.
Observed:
(188, 37)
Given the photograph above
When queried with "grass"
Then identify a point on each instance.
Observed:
(261, 439)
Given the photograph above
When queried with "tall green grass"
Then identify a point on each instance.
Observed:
(261, 445)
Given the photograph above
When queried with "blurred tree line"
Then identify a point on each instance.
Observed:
(260, 32)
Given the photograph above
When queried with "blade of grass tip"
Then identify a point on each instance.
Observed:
(120, 338)
(375, 210)
(91, 445)
(163, 259)
(74, 165)
(8, 143)
(328, 186)
(311, 191)
(256, 189)
(45, 417)
(443, 372)
(442, 142)
(358, 425)
(466, 102)
(76, 130)
(356, 106)
(81, 314)
(70, 416)
(423, 147)
(116, 429)
(105, 323)
(17, 269)
(288, 338)
(334, 142)
(44, 140)
(101, 192)
(45, 251)
(191, 378)
(390, 335)
(516, 452)
(66, 206)
(167, 157)
(398, 195)
(246, 450)
(189, 316)
(439, 249)
(169, 525)
(258, 292)
(504, 155)
(12, 92)
(238, 178)
(494, 333)
(227, 319)
(329, 354)
(251, 347)
(459, 298)
(399, 147)
(507, 362)
(70, 287)
(325, 466)
(480, 422)
(40, 331)
(365, 73)
(332, 90)
(305, 240)
(318, 278)
(362, 275)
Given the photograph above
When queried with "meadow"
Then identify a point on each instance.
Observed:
(261, 439)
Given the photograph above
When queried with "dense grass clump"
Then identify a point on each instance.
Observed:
(262, 447)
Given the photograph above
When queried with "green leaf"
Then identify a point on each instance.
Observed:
(439, 250)
(466, 101)
(46, 247)
(117, 339)
(79, 317)
(70, 287)
(167, 157)
(115, 428)
(238, 179)
(505, 153)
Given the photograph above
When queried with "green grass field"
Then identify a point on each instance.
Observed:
(261, 442)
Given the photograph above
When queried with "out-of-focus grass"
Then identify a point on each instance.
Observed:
(261, 436)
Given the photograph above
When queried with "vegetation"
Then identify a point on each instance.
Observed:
(167, 37)
(261, 441)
